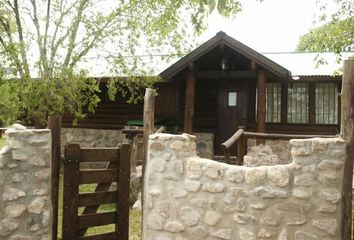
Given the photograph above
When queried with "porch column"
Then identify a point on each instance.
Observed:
(189, 101)
(261, 110)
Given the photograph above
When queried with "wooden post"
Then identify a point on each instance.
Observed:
(261, 110)
(189, 101)
(149, 121)
(71, 192)
(240, 148)
(123, 187)
(347, 133)
(54, 124)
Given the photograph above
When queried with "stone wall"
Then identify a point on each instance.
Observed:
(25, 183)
(91, 137)
(280, 148)
(187, 197)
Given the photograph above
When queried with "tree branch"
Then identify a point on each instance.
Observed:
(22, 42)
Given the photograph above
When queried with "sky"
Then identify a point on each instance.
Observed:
(267, 26)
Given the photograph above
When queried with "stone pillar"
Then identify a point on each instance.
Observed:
(25, 183)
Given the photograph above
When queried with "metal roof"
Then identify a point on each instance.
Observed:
(304, 64)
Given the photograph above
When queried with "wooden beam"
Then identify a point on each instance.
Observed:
(226, 74)
(261, 110)
(347, 133)
(284, 103)
(189, 102)
(54, 124)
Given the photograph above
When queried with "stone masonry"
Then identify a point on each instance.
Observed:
(91, 137)
(191, 198)
(25, 183)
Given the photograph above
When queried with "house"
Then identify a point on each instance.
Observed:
(223, 84)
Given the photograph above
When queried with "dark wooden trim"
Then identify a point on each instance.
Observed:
(312, 103)
(347, 132)
(71, 191)
(189, 103)
(54, 124)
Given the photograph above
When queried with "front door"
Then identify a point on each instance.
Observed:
(232, 105)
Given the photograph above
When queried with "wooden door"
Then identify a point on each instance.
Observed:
(232, 106)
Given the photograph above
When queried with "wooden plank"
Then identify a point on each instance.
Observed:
(99, 154)
(71, 190)
(54, 124)
(189, 103)
(279, 136)
(104, 236)
(98, 176)
(99, 188)
(122, 226)
(97, 198)
(261, 110)
(97, 219)
(347, 133)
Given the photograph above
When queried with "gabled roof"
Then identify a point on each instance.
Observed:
(223, 38)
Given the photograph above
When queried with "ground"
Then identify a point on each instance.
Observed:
(2, 142)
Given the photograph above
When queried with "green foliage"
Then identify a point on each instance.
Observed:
(44, 46)
(336, 31)
(333, 36)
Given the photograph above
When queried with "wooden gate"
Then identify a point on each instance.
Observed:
(81, 210)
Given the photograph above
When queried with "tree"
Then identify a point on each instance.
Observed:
(44, 46)
(336, 31)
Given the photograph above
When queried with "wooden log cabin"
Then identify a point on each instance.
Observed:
(223, 84)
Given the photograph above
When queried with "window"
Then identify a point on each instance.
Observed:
(232, 99)
(326, 103)
(273, 102)
(298, 103)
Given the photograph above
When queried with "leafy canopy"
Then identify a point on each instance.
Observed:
(45, 48)
(336, 31)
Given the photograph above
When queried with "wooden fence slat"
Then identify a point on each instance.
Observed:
(123, 178)
(97, 198)
(104, 236)
(70, 193)
(97, 219)
(99, 155)
(99, 188)
(98, 176)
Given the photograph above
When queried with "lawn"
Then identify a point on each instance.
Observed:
(2, 142)
(134, 221)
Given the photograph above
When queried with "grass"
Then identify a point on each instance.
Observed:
(134, 221)
(2, 142)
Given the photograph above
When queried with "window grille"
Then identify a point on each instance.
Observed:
(298, 103)
(326, 103)
(273, 102)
